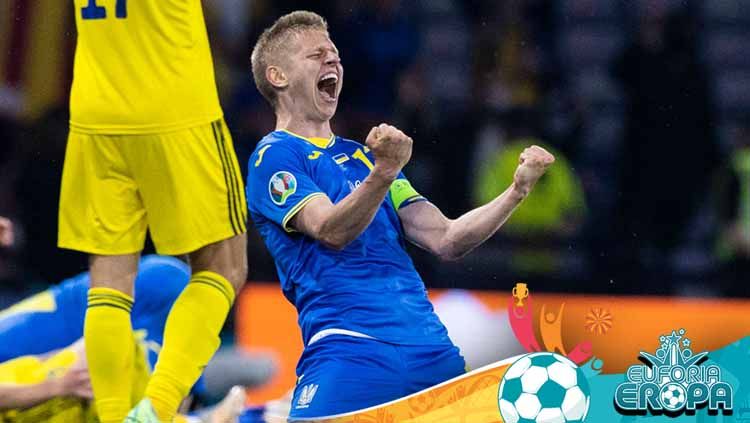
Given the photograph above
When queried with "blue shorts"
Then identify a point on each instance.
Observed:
(339, 373)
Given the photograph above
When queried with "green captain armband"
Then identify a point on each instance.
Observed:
(402, 194)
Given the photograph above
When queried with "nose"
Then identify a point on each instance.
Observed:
(332, 59)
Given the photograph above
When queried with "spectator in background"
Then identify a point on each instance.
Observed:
(7, 237)
(733, 192)
(508, 78)
(556, 208)
(7, 241)
(553, 212)
(9, 131)
(669, 148)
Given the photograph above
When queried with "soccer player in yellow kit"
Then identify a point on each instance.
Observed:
(148, 150)
(55, 388)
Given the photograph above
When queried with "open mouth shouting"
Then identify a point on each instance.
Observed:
(328, 87)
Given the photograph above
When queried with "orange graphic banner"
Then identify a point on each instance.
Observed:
(469, 398)
(615, 328)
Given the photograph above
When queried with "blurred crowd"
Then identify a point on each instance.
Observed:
(645, 104)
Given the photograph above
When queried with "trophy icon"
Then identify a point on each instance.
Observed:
(520, 292)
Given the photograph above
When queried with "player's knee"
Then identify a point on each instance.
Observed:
(228, 258)
(239, 267)
(235, 271)
(238, 275)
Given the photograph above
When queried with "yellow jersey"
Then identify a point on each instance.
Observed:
(29, 370)
(141, 67)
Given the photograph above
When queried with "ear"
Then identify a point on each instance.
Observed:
(276, 77)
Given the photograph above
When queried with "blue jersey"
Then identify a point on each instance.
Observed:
(371, 286)
(53, 319)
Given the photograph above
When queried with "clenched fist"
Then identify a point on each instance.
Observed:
(532, 164)
(391, 148)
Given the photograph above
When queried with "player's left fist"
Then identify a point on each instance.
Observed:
(532, 163)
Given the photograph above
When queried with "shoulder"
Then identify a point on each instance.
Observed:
(279, 140)
(276, 146)
(350, 144)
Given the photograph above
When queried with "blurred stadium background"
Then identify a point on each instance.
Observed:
(646, 105)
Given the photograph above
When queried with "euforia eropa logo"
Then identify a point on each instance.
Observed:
(673, 382)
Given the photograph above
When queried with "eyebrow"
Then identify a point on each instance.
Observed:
(321, 48)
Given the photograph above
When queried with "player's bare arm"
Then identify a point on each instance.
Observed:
(73, 383)
(25, 396)
(450, 239)
(338, 225)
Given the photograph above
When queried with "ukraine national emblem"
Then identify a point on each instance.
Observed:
(306, 396)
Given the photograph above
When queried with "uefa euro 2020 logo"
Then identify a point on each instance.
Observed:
(673, 382)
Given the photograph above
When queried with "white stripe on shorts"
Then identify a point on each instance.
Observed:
(333, 331)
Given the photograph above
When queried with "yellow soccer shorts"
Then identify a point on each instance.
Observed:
(185, 187)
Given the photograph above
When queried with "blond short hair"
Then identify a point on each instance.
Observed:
(272, 42)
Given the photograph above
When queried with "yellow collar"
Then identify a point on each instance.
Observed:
(316, 141)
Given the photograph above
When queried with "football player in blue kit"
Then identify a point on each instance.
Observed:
(51, 322)
(336, 216)
(53, 319)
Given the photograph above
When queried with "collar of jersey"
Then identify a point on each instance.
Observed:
(316, 141)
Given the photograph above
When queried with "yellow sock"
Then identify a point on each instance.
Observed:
(110, 351)
(191, 337)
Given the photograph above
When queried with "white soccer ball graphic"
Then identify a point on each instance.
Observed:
(544, 388)
(673, 396)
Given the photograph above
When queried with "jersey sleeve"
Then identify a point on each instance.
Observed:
(279, 184)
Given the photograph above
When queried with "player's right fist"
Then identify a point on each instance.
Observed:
(391, 148)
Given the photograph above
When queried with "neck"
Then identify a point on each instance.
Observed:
(303, 126)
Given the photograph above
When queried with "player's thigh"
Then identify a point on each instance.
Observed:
(344, 374)
(191, 186)
(429, 365)
(100, 208)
